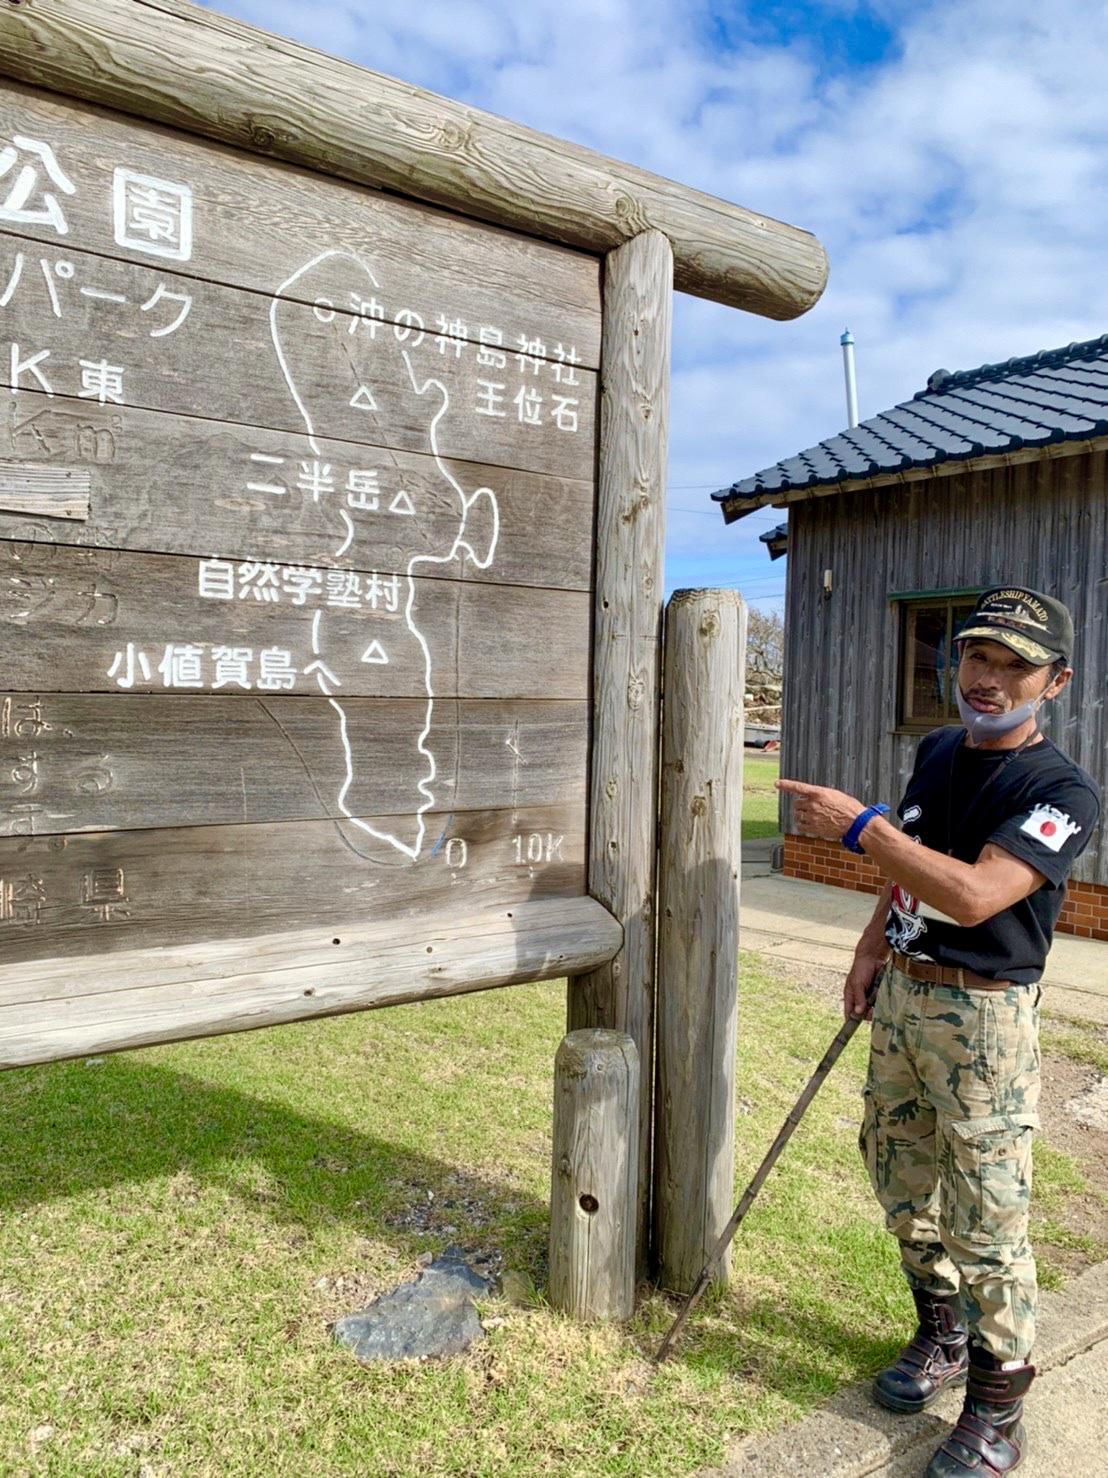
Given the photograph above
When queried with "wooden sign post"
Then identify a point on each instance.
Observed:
(331, 533)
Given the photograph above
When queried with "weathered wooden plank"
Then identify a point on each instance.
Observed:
(181, 485)
(156, 339)
(254, 223)
(594, 1180)
(630, 542)
(90, 620)
(119, 762)
(139, 998)
(196, 70)
(44, 491)
(92, 893)
(700, 854)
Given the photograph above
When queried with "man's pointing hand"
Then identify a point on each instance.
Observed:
(821, 811)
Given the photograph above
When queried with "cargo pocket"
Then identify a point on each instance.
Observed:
(987, 1178)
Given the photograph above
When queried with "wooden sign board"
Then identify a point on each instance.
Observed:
(297, 496)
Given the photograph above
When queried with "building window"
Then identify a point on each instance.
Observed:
(928, 626)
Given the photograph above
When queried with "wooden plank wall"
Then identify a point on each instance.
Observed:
(1040, 523)
(297, 493)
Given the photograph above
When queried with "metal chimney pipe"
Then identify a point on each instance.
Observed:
(847, 341)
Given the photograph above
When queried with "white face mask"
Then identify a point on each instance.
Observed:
(984, 726)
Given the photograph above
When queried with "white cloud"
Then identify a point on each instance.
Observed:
(958, 186)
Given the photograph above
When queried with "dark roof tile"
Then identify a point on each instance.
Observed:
(1056, 395)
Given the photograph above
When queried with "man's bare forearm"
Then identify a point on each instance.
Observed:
(942, 882)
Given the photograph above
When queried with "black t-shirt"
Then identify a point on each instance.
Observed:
(1039, 806)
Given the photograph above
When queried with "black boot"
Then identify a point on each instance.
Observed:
(989, 1438)
(935, 1358)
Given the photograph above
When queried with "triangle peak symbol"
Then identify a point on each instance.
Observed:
(375, 652)
(402, 503)
(362, 399)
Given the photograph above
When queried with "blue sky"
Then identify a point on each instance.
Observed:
(950, 154)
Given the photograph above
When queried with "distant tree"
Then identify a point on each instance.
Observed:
(765, 647)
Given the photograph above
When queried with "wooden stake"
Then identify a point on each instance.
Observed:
(594, 1181)
(638, 294)
(698, 933)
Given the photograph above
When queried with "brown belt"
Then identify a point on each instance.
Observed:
(946, 974)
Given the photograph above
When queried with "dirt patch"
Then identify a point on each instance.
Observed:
(1068, 1087)
(822, 981)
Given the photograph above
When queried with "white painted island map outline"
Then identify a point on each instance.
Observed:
(325, 678)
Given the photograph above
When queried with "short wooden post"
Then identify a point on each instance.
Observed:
(698, 903)
(595, 1175)
(630, 538)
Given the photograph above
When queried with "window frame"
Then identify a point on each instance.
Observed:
(905, 603)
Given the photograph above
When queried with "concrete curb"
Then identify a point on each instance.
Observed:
(852, 1437)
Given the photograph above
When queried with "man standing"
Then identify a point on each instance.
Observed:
(993, 819)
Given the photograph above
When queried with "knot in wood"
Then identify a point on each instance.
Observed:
(262, 136)
(636, 692)
(565, 1166)
(454, 136)
(611, 788)
(699, 805)
(631, 215)
(709, 623)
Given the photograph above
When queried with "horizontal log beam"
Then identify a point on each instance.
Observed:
(140, 997)
(175, 63)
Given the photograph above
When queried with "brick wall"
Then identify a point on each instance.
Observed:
(1084, 912)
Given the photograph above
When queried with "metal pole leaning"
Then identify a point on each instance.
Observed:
(784, 1134)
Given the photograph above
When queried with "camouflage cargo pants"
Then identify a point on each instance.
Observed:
(951, 1099)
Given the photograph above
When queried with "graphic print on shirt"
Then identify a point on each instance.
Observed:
(1049, 825)
(905, 926)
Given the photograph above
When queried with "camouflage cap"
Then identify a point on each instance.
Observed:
(1035, 626)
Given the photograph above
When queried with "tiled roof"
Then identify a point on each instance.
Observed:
(1056, 395)
(775, 540)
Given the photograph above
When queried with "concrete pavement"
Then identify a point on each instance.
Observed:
(1066, 1411)
(811, 923)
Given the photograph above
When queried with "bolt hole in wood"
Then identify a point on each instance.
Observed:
(588, 1204)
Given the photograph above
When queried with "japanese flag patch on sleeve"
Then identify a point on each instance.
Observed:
(1050, 826)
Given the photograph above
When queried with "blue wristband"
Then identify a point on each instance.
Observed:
(859, 824)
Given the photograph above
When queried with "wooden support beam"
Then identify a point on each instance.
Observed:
(698, 930)
(629, 551)
(138, 997)
(176, 63)
(595, 1179)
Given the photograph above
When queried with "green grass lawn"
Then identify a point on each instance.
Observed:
(759, 797)
(183, 1223)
